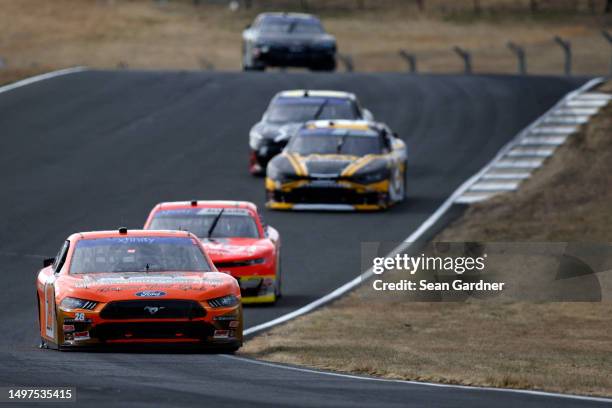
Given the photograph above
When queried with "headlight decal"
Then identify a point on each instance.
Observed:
(371, 172)
(70, 303)
(224, 301)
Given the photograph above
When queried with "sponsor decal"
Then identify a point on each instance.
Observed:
(49, 310)
(234, 323)
(151, 293)
(221, 334)
(79, 336)
(249, 282)
(79, 317)
(322, 184)
(151, 280)
(134, 240)
(237, 250)
(68, 328)
(112, 289)
(214, 282)
(225, 317)
(226, 211)
(153, 309)
(72, 321)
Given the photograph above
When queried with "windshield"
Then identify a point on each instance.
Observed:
(286, 110)
(233, 223)
(284, 25)
(335, 142)
(138, 254)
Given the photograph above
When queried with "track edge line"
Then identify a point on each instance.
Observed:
(41, 77)
(418, 383)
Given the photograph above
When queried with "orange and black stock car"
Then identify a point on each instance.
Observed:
(122, 287)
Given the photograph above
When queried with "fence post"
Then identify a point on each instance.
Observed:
(608, 37)
(410, 60)
(566, 46)
(466, 57)
(520, 56)
(347, 60)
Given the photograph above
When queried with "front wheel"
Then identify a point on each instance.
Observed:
(253, 68)
(397, 186)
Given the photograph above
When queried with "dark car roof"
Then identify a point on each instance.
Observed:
(287, 17)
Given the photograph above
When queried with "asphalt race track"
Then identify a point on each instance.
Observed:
(96, 150)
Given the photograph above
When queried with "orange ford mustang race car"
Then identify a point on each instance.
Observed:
(118, 287)
(235, 238)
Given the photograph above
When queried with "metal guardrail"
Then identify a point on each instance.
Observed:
(516, 49)
(466, 56)
(520, 56)
(566, 46)
(410, 60)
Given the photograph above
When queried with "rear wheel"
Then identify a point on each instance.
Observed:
(329, 65)
(253, 67)
(397, 186)
(229, 349)
(404, 182)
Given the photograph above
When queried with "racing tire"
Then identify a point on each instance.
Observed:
(396, 194)
(229, 349)
(254, 68)
(405, 194)
(328, 66)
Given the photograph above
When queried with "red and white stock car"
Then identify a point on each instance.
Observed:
(235, 238)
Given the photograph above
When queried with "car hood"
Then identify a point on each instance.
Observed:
(104, 287)
(234, 249)
(332, 165)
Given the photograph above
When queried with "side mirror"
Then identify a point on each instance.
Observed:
(48, 262)
(367, 115)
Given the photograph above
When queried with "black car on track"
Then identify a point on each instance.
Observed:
(288, 110)
(287, 40)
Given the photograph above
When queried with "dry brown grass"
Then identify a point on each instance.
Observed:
(558, 347)
(38, 35)
(563, 347)
(568, 199)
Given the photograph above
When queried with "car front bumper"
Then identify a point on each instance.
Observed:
(218, 327)
(299, 56)
(332, 196)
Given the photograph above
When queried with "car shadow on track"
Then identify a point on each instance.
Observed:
(143, 349)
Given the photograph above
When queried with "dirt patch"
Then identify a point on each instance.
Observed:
(562, 347)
